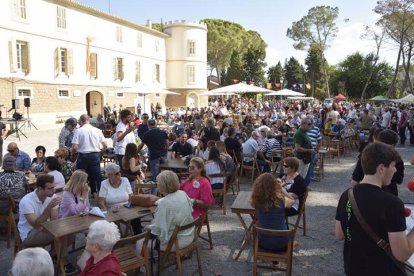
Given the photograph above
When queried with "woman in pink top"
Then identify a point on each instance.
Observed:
(75, 198)
(198, 187)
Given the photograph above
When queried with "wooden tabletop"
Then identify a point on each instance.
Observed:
(174, 164)
(242, 203)
(136, 212)
(74, 224)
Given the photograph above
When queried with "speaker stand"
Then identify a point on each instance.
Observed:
(29, 121)
(17, 129)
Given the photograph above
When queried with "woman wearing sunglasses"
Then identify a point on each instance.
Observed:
(198, 187)
(293, 184)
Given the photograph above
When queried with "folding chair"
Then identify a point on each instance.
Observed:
(252, 168)
(300, 215)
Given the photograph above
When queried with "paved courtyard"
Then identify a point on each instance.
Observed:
(318, 253)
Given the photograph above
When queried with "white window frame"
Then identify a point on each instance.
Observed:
(191, 74)
(60, 18)
(139, 39)
(191, 48)
(119, 68)
(157, 73)
(19, 10)
(63, 61)
(63, 89)
(120, 95)
(20, 55)
(138, 70)
(24, 88)
(119, 34)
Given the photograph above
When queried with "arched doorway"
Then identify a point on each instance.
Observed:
(94, 103)
(192, 100)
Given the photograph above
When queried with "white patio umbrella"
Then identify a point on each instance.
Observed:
(240, 88)
(286, 92)
(146, 89)
(209, 93)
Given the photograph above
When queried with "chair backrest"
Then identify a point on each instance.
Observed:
(139, 187)
(301, 210)
(132, 240)
(290, 234)
(11, 201)
(174, 240)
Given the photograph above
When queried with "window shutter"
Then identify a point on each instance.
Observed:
(26, 59)
(69, 62)
(57, 62)
(93, 65)
(121, 76)
(115, 69)
(12, 56)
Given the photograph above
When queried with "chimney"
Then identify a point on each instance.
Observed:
(149, 23)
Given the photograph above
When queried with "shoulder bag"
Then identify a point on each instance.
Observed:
(406, 268)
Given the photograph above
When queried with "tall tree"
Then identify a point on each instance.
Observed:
(317, 27)
(314, 71)
(254, 65)
(275, 73)
(235, 70)
(293, 71)
(397, 19)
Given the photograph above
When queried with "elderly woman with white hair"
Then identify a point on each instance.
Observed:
(34, 261)
(116, 191)
(101, 260)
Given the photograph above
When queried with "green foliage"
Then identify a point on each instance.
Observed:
(314, 72)
(254, 64)
(235, 70)
(275, 73)
(157, 26)
(350, 75)
(293, 71)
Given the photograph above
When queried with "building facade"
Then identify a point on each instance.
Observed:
(64, 58)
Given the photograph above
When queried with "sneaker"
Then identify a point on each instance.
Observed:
(70, 269)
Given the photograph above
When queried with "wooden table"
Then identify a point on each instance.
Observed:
(242, 205)
(174, 164)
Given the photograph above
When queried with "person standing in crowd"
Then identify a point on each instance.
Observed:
(314, 135)
(3, 133)
(386, 118)
(139, 110)
(381, 211)
(402, 125)
(86, 142)
(107, 111)
(303, 146)
(157, 143)
(66, 134)
(23, 161)
(143, 127)
(411, 126)
(124, 134)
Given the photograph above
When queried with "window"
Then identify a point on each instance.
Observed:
(156, 77)
(137, 71)
(119, 34)
(22, 56)
(19, 9)
(23, 92)
(61, 17)
(139, 40)
(119, 95)
(118, 68)
(63, 93)
(63, 61)
(93, 65)
(191, 48)
(190, 74)
(157, 45)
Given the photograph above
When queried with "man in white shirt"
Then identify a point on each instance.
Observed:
(351, 113)
(124, 134)
(86, 142)
(386, 118)
(251, 147)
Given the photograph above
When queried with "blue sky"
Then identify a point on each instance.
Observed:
(270, 18)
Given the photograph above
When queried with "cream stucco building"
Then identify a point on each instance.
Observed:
(69, 58)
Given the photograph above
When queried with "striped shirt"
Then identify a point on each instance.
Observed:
(314, 135)
(270, 146)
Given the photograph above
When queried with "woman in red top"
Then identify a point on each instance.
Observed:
(101, 238)
(198, 187)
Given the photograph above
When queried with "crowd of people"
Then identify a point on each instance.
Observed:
(214, 140)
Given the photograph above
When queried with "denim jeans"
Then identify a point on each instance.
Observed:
(90, 163)
(310, 174)
(402, 135)
(154, 165)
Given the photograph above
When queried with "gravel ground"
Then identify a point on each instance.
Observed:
(318, 253)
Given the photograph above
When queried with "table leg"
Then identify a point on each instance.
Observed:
(247, 235)
(59, 247)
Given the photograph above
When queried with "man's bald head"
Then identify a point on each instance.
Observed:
(12, 149)
(83, 119)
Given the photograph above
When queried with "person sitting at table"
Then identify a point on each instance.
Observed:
(52, 168)
(206, 153)
(270, 146)
(34, 262)
(11, 183)
(174, 209)
(66, 167)
(294, 184)
(98, 257)
(226, 158)
(269, 199)
(172, 139)
(251, 147)
(37, 207)
(201, 147)
(182, 147)
(116, 191)
(131, 163)
(75, 197)
(215, 165)
(38, 163)
(23, 162)
(233, 144)
(198, 187)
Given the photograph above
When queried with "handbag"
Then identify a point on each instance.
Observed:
(406, 268)
(144, 200)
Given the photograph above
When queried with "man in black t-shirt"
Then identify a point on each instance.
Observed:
(182, 147)
(143, 127)
(157, 143)
(382, 211)
(232, 144)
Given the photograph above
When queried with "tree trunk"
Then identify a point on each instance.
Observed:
(410, 54)
(392, 84)
(404, 85)
(218, 75)
(325, 75)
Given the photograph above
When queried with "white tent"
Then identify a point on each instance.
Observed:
(286, 92)
(301, 98)
(407, 99)
(208, 93)
(240, 88)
